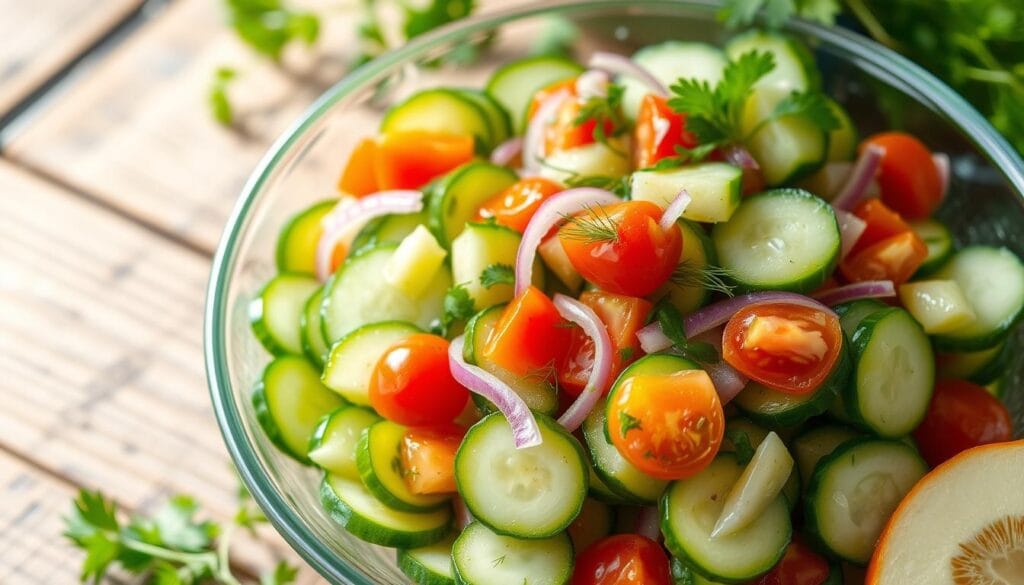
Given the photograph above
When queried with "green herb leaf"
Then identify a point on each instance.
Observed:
(219, 102)
(628, 422)
(436, 13)
(283, 574)
(736, 13)
(594, 225)
(497, 274)
(626, 354)
(712, 278)
(617, 185)
(179, 530)
(458, 306)
(741, 443)
(606, 114)
(811, 105)
(671, 322)
(268, 26)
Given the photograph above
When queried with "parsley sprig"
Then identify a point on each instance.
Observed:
(671, 322)
(496, 274)
(606, 113)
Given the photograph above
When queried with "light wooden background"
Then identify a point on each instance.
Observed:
(114, 185)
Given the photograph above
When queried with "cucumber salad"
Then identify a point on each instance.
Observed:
(654, 319)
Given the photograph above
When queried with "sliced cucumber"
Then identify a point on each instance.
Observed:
(689, 509)
(596, 521)
(786, 239)
(440, 110)
(296, 246)
(591, 160)
(669, 62)
(389, 229)
(499, 121)
(788, 148)
(289, 401)
(483, 557)
(619, 476)
(981, 367)
(333, 446)
(276, 312)
(353, 358)
(842, 142)
(479, 247)
(687, 290)
(795, 69)
(350, 504)
(456, 199)
(810, 446)
(514, 84)
(939, 241)
(429, 565)
(854, 491)
(357, 295)
(714, 187)
(993, 281)
(378, 457)
(310, 330)
(528, 493)
(683, 574)
(852, 313)
(938, 305)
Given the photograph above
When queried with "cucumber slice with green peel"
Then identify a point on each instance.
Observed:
(310, 330)
(853, 312)
(785, 239)
(687, 289)
(514, 84)
(894, 374)
(714, 187)
(601, 492)
(618, 476)
(997, 387)
(812, 445)
(939, 241)
(296, 246)
(534, 492)
(993, 281)
(842, 142)
(683, 574)
(353, 358)
(440, 110)
(289, 401)
(744, 429)
(599, 159)
(428, 565)
(378, 457)
(389, 229)
(333, 446)
(456, 199)
(795, 69)
(853, 492)
(669, 62)
(689, 510)
(483, 557)
(595, 521)
(938, 305)
(788, 148)
(481, 246)
(358, 295)
(351, 505)
(275, 313)
(981, 367)
(499, 121)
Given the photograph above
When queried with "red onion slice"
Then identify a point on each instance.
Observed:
(648, 523)
(728, 382)
(652, 339)
(548, 215)
(582, 315)
(860, 178)
(738, 156)
(592, 83)
(525, 431)
(533, 139)
(868, 289)
(463, 517)
(344, 219)
(626, 67)
(851, 228)
(506, 152)
(942, 165)
(674, 210)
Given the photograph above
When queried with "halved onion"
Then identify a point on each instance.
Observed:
(582, 315)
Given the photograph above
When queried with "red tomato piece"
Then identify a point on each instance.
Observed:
(410, 160)
(659, 130)
(623, 559)
(428, 458)
(896, 259)
(799, 566)
(413, 385)
(882, 223)
(909, 180)
(542, 95)
(529, 337)
(961, 415)
(564, 133)
(358, 177)
(621, 248)
(515, 206)
(791, 348)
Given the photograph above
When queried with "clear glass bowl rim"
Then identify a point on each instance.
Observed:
(936, 94)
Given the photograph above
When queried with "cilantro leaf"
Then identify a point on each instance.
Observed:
(219, 102)
(497, 274)
(268, 26)
(741, 444)
(671, 322)
(178, 529)
(458, 306)
(606, 114)
(283, 574)
(628, 422)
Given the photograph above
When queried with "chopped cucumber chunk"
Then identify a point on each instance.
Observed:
(714, 187)
(938, 305)
(415, 263)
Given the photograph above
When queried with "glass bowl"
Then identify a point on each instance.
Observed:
(984, 205)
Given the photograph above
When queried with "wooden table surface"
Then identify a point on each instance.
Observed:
(114, 186)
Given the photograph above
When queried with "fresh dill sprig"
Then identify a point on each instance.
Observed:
(713, 278)
(593, 226)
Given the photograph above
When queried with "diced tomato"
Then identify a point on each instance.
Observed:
(659, 130)
(410, 160)
(623, 559)
(428, 458)
(881, 221)
(896, 258)
(909, 180)
(799, 566)
(961, 415)
(358, 177)
(542, 95)
(412, 383)
(564, 133)
(515, 206)
(529, 337)
(622, 316)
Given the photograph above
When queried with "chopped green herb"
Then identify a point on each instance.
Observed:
(713, 278)
(671, 322)
(593, 226)
(458, 306)
(220, 104)
(606, 114)
(626, 354)
(497, 274)
(628, 422)
(741, 443)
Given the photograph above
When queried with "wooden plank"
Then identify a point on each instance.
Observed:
(38, 38)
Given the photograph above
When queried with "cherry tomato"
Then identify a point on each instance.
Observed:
(791, 348)
(799, 566)
(409, 160)
(908, 177)
(621, 248)
(881, 221)
(413, 385)
(515, 206)
(564, 133)
(623, 559)
(622, 316)
(659, 130)
(542, 95)
(667, 426)
(896, 259)
(529, 337)
(428, 458)
(358, 177)
(961, 415)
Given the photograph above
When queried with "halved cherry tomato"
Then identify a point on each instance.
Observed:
(623, 559)
(358, 177)
(428, 458)
(791, 348)
(412, 383)
(529, 337)
(622, 316)
(961, 415)
(896, 259)
(515, 206)
(881, 221)
(409, 160)
(564, 133)
(542, 95)
(667, 426)
(799, 566)
(659, 130)
(908, 177)
(621, 248)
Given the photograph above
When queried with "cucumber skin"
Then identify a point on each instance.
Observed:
(305, 332)
(438, 198)
(269, 426)
(355, 525)
(451, 93)
(418, 573)
(255, 311)
(281, 248)
(364, 462)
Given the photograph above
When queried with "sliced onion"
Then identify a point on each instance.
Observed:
(653, 339)
(533, 139)
(506, 152)
(674, 210)
(863, 173)
(548, 215)
(592, 83)
(738, 156)
(851, 228)
(582, 315)
(648, 523)
(525, 431)
(868, 289)
(942, 165)
(345, 219)
(624, 66)
(463, 517)
(728, 382)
